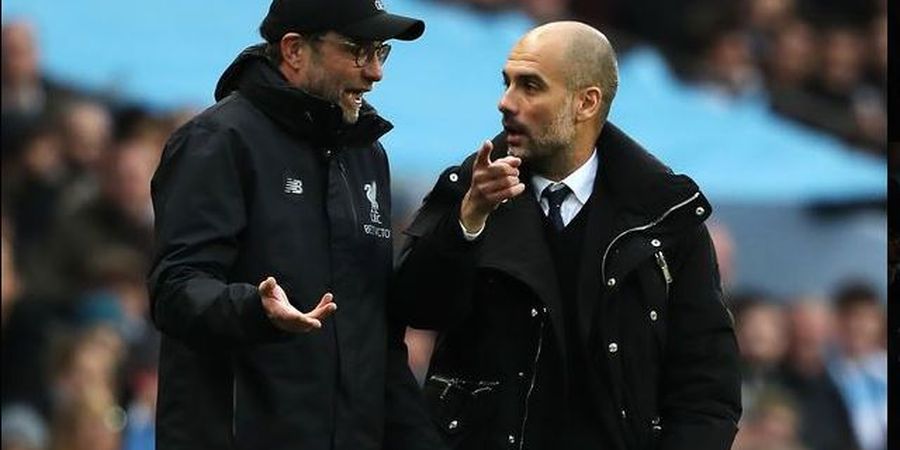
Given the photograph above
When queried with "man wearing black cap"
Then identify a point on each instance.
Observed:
(275, 201)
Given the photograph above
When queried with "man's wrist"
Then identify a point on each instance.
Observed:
(470, 236)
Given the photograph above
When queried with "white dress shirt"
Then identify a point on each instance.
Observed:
(581, 182)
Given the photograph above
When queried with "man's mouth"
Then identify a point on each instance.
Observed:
(356, 96)
(513, 131)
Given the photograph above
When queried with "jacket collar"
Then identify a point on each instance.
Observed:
(642, 187)
(298, 112)
(645, 189)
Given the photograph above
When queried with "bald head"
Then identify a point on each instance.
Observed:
(585, 56)
(20, 56)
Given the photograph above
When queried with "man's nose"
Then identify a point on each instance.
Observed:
(506, 105)
(374, 70)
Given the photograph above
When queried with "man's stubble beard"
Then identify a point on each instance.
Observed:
(323, 85)
(545, 153)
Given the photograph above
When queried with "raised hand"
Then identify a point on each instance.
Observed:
(492, 183)
(285, 316)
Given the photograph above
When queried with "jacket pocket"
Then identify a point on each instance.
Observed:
(462, 409)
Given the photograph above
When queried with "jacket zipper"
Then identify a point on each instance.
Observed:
(664, 267)
(534, 370)
(641, 228)
(449, 383)
(349, 193)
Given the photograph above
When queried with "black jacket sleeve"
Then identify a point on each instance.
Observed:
(436, 268)
(701, 397)
(407, 425)
(199, 208)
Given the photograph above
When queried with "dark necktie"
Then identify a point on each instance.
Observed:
(555, 198)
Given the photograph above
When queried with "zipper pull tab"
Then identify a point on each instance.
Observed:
(664, 267)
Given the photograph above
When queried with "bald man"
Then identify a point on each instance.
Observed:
(570, 276)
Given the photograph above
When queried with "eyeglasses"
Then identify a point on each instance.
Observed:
(362, 53)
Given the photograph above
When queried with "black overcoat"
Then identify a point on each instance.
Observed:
(659, 339)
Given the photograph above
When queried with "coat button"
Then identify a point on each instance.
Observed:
(655, 243)
(511, 439)
(521, 374)
(699, 211)
(452, 425)
(611, 282)
(534, 312)
(653, 316)
(655, 421)
(454, 177)
(623, 414)
(613, 347)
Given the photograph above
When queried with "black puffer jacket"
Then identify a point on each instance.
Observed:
(269, 181)
(661, 359)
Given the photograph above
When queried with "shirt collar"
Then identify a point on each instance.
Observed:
(581, 181)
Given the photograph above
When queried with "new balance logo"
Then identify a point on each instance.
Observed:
(293, 186)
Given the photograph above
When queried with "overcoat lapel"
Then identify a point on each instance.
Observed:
(514, 243)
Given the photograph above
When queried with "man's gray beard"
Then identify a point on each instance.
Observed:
(350, 116)
(550, 150)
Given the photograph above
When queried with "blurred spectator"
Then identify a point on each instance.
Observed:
(824, 422)
(116, 285)
(728, 64)
(26, 332)
(86, 133)
(89, 359)
(762, 339)
(859, 367)
(770, 425)
(121, 216)
(27, 93)
(29, 99)
(23, 429)
(33, 178)
(792, 59)
(769, 15)
(89, 421)
(853, 110)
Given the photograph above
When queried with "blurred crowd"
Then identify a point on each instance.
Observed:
(80, 356)
(815, 371)
(821, 63)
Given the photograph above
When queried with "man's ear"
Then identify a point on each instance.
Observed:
(293, 52)
(588, 103)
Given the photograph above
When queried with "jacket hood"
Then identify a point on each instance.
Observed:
(253, 76)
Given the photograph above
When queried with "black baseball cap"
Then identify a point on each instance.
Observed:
(357, 19)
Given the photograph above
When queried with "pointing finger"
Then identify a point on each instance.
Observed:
(512, 161)
(483, 159)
